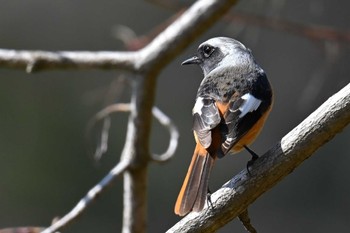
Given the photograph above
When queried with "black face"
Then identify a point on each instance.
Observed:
(203, 54)
(210, 57)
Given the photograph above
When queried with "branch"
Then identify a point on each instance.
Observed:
(299, 144)
(33, 61)
(159, 52)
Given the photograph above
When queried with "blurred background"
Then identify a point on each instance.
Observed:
(45, 167)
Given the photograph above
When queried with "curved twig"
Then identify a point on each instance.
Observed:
(120, 107)
(157, 113)
(104, 115)
(174, 136)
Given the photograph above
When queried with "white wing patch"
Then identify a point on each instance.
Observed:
(198, 106)
(250, 104)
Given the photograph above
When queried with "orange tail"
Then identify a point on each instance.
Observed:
(193, 193)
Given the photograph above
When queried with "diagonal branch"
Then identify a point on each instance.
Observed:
(299, 144)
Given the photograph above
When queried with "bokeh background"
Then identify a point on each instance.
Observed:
(45, 167)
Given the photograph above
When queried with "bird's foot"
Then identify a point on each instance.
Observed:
(253, 159)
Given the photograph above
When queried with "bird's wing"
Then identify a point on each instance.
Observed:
(242, 113)
(205, 117)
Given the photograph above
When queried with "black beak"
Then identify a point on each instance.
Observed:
(192, 60)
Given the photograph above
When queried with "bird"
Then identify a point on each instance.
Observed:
(232, 104)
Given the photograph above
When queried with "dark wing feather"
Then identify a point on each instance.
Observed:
(237, 124)
(205, 117)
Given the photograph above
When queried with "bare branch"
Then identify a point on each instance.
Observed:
(299, 144)
(22, 230)
(197, 19)
(42, 60)
(89, 198)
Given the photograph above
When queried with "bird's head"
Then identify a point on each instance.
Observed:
(220, 52)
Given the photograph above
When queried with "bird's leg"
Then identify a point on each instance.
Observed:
(209, 199)
(254, 157)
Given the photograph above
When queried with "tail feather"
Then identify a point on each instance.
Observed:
(204, 184)
(193, 193)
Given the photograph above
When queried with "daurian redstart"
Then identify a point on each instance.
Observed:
(232, 104)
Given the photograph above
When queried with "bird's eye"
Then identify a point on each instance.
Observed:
(207, 51)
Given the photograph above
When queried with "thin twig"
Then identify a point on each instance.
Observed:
(104, 115)
(102, 146)
(120, 107)
(174, 136)
(157, 113)
(245, 220)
